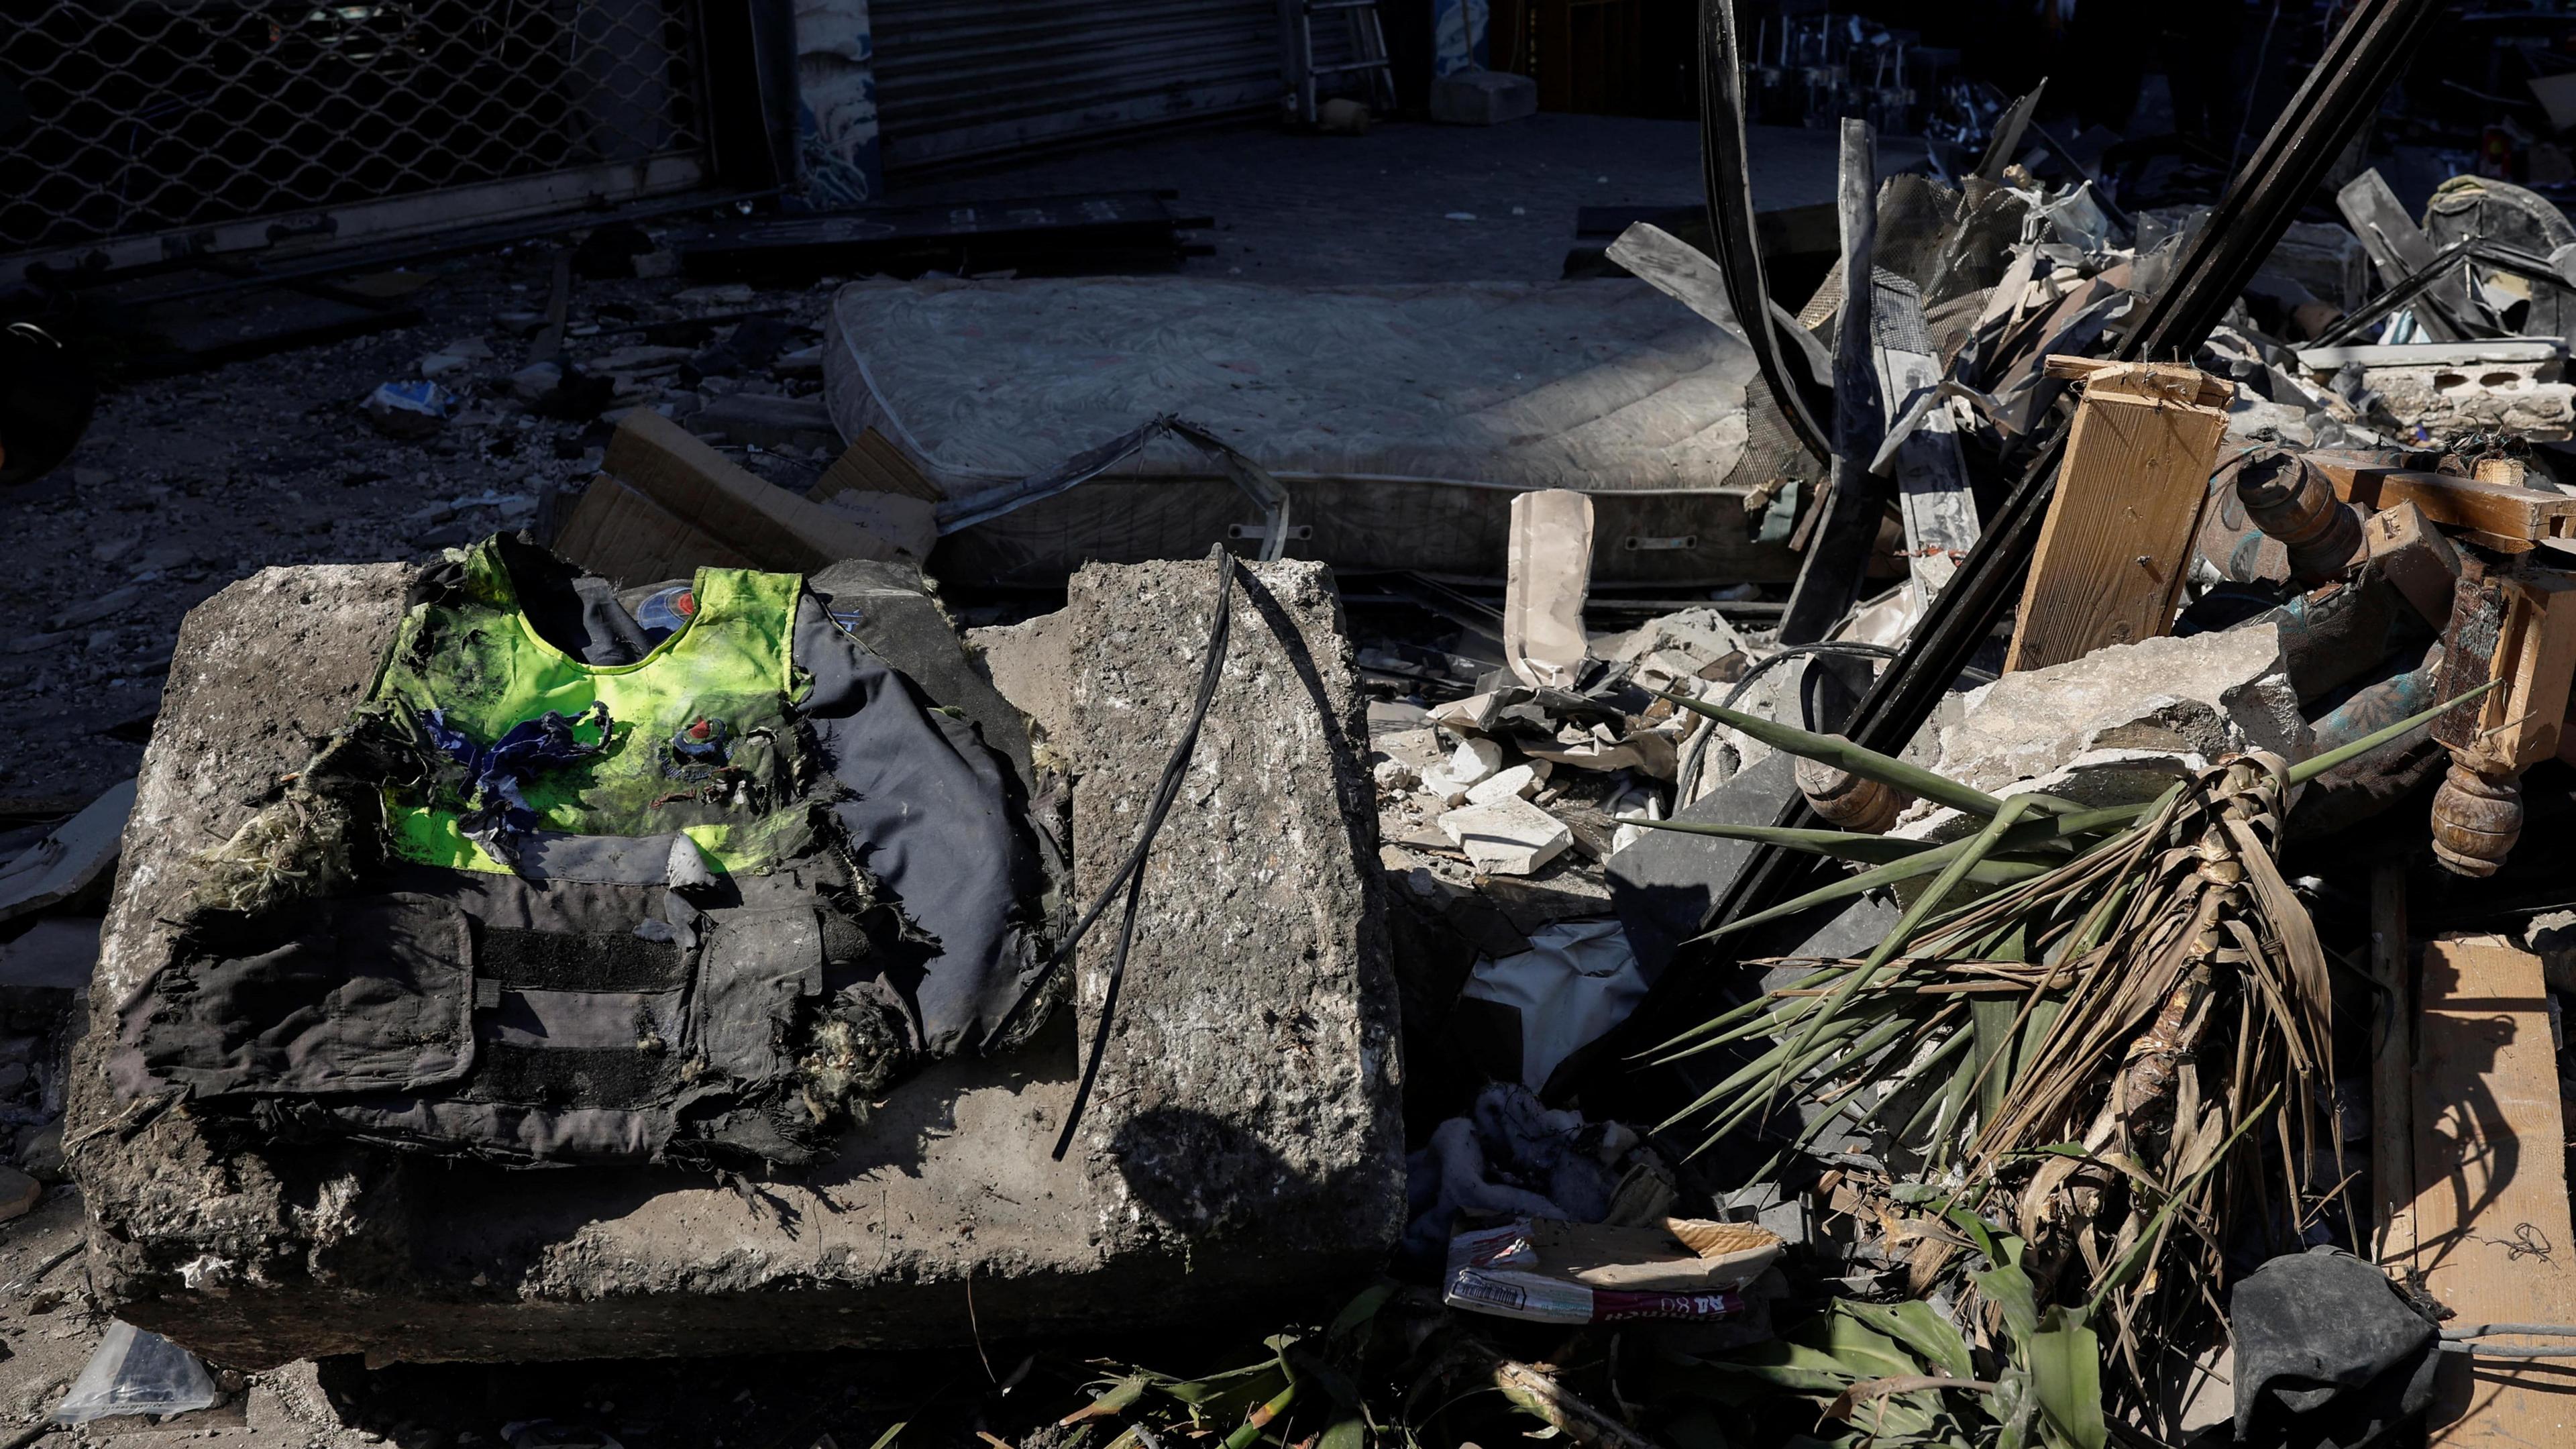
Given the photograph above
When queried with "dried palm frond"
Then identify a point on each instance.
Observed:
(2121, 1046)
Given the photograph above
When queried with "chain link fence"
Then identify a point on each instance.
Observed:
(121, 118)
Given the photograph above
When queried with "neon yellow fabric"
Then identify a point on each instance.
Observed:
(483, 664)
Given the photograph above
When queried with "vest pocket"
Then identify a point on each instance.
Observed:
(362, 994)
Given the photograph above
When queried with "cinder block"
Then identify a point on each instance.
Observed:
(1483, 97)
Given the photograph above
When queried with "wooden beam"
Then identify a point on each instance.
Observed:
(2116, 543)
(703, 488)
(2519, 627)
(2491, 1222)
(874, 464)
(1932, 491)
(2501, 516)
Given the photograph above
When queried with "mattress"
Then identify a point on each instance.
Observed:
(1401, 419)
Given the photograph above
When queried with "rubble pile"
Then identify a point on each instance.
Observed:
(2067, 949)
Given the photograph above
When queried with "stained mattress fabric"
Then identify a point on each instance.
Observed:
(1388, 410)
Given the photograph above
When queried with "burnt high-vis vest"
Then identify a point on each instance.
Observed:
(694, 904)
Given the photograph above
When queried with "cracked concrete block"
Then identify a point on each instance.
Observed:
(2210, 695)
(1250, 1104)
(1243, 1147)
(1507, 837)
(1470, 765)
(1517, 783)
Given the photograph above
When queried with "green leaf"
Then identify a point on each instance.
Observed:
(890, 1435)
(1349, 1433)
(2025, 836)
(1868, 1352)
(1359, 1310)
(1840, 844)
(1113, 1399)
(1916, 1325)
(2066, 1376)
(1787, 1364)
(1843, 755)
(2306, 770)
(1991, 1017)
(1984, 843)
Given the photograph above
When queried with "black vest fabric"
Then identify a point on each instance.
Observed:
(614, 1000)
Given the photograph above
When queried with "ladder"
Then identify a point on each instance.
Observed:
(1368, 48)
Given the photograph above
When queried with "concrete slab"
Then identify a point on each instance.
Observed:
(1240, 1150)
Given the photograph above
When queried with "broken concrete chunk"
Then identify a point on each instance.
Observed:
(1483, 97)
(19, 1193)
(1260, 1162)
(66, 862)
(1028, 663)
(1471, 764)
(1393, 775)
(1517, 783)
(2209, 695)
(1508, 837)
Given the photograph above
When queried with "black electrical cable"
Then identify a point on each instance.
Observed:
(1131, 873)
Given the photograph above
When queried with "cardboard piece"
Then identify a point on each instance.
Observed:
(1549, 1271)
(705, 509)
(1550, 565)
(628, 539)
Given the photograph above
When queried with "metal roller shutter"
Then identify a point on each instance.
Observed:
(960, 80)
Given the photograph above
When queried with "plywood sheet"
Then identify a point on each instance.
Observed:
(2490, 1220)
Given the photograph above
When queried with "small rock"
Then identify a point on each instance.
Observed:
(115, 601)
(1394, 775)
(1508, 837)
(440, 364)
(19, 1193)
(723, 294)
(1473, 762)
(40, 1152)
(32, 643)
(1517, 783)
(536, 381)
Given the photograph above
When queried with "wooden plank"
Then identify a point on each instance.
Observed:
(772, 527)
(1829, 577)
(2392, 1063)
(2503, 516)
(874, 464)
(2532, 613)
(1932, 491)
(2491, 1222)
(628, 539)
(2113, 550)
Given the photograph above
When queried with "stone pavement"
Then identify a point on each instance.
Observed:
(1414, 202)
